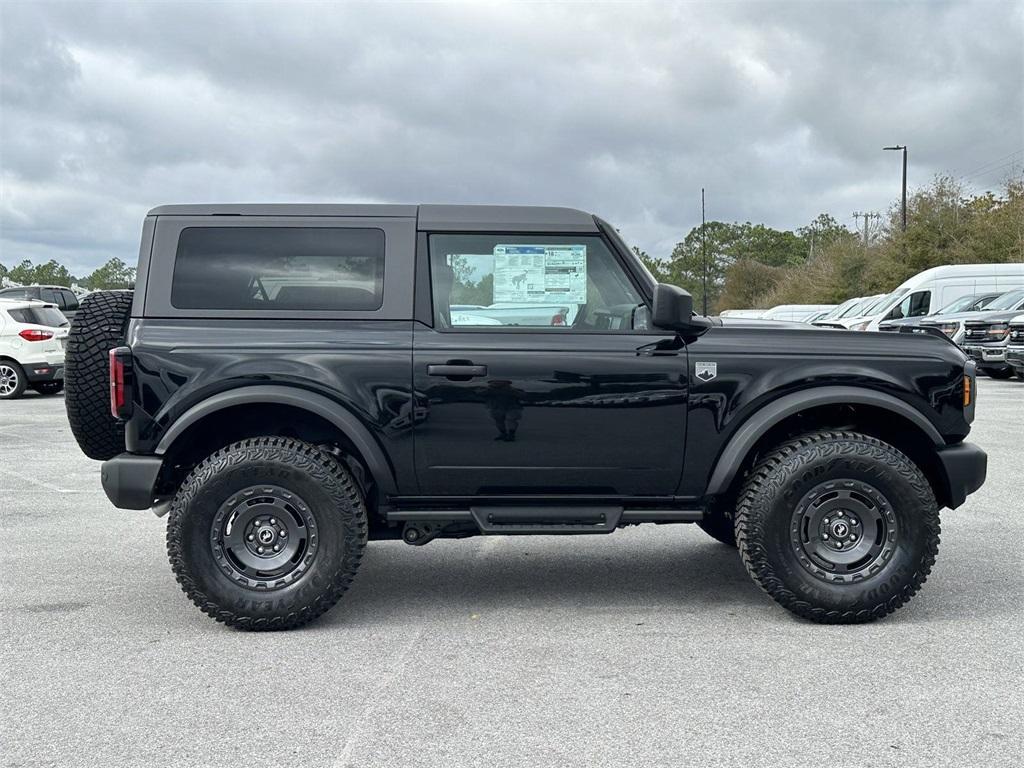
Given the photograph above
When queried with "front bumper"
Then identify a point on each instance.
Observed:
(986, 355)
(1015, 357)
(966, 466)
(129, 479)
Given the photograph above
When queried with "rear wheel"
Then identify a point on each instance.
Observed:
(48, 387)
(838, 527)
(267, 533)
(99, 326)
(999, 373)
(12, 380)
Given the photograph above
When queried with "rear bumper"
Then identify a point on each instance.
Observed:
(39, 372)
(965, 466)
(129, 480)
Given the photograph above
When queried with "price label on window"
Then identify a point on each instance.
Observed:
(540, 274)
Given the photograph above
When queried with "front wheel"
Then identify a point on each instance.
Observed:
(267, 533)
(838, 527)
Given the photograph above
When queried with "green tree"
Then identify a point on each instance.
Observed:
(112, 275)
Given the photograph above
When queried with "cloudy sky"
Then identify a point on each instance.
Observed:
(779, 109)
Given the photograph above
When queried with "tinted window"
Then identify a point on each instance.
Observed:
(14, 293)
(49, 294)
(70, 300)
(279, 268)
(48, 316)
(536, 281)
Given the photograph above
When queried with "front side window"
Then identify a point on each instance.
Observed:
(279, 268)
(531, 281)
(914, 305)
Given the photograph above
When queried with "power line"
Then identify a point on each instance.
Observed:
(866, 217)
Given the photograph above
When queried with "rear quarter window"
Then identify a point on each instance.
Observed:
(48, 316)
(279, 268)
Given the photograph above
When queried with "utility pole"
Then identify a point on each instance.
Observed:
(903, 206)
(704, 250)
(866, 217)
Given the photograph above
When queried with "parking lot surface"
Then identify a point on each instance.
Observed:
(648, 647)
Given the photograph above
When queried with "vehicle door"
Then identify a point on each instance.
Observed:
(537, 372)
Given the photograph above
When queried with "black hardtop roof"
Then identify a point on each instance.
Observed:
(435, 218)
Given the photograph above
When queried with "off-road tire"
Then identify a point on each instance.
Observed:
(18, 373)
(48, 387)
(720, 527)
(300, 468)
(99, 326)
(772, 497)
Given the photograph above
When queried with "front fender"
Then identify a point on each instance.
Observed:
(743, 440)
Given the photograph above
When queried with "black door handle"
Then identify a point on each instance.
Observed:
(457, 371)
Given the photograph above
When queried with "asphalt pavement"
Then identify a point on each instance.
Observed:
(647, 647)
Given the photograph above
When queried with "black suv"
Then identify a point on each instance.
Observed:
(64, 298)
(289, 381)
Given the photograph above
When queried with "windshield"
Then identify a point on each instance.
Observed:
(885, 302)
(1007, 301)
(962, 304)
(840, 310)
(854, 310)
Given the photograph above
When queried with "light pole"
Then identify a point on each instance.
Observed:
(903, 208)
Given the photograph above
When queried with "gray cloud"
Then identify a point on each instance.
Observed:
(779, 109)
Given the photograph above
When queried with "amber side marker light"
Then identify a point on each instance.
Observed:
(967, 391)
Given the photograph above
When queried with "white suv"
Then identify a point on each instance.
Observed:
(33, 336)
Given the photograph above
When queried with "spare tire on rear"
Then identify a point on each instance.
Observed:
(99, 326)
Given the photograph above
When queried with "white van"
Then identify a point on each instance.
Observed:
(929, 291)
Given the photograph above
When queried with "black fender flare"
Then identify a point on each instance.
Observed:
(335, 413)
(746, 436)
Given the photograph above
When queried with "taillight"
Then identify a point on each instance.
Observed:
(34, 334)
(120, 382)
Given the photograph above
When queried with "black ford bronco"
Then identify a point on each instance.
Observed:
(290, 381)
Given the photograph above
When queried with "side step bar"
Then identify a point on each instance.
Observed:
(507, 520)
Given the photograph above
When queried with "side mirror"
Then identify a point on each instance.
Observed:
(673, 308)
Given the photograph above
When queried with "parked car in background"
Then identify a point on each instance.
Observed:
(839, 310)
(1001, 309)
(814, 316)
(752, 314)
(853, 315)
(963, 304)
(1015, 346)
(928, 291)
(63, 298)
(796, 313)
(987, 334)
(33, 336)
(513, 314)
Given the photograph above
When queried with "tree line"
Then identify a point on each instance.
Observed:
(825, 262)
(114, 274)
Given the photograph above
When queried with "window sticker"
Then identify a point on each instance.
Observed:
(540, 274)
